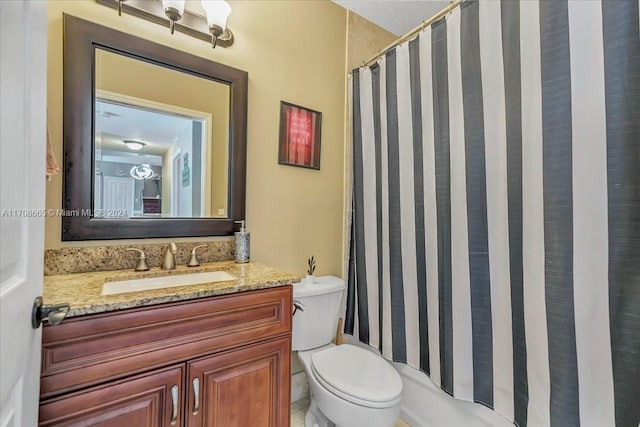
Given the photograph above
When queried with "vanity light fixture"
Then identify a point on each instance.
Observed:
(134, 145)
(211, 28)
(142, 171)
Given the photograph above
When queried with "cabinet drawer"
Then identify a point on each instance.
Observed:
(92, 349)
(146, 400)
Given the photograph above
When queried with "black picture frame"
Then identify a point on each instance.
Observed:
(300, 136)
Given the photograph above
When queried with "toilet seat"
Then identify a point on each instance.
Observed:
(358, 376)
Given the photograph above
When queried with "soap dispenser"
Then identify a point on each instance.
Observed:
(242, 243)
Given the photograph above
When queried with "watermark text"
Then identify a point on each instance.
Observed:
(35, 213)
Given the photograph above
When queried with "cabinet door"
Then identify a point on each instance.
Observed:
(249, 386)
(152, 400)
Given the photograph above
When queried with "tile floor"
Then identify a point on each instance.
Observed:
(299, 409)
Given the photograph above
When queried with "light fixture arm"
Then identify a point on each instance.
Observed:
(174, 15)
(216, 31)
(120, 7)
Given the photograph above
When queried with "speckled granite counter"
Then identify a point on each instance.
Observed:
(82, 291)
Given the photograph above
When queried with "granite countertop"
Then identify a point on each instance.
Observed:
(82, 291)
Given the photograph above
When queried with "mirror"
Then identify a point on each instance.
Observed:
(154, 139)
(158, 150)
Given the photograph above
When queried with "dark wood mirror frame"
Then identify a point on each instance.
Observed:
(81, 38)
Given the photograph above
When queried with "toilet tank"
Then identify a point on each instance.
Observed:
(315, 325)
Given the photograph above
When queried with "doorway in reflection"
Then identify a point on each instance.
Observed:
(149, 161)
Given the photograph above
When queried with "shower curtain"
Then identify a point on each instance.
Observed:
(495, 237)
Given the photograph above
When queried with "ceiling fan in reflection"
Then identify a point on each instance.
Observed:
(142, 171)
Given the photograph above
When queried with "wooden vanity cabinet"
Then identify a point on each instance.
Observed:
(119, 368)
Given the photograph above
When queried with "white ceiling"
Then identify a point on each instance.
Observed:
(396, 16)
(117, 122)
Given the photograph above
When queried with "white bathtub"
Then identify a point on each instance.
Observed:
(425, 405)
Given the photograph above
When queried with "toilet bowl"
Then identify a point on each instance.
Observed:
(350, 386)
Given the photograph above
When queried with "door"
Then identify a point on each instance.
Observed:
(176, 185)
(244, 387)
(97, 200)
(23, 94)
(150, 400)
(118, 198)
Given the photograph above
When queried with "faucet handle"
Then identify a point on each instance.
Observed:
(193, 261)
(142, 260)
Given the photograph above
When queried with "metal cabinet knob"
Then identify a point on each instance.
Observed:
(196, 396)
(174, 405)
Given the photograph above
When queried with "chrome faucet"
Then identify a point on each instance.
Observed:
(169, 262)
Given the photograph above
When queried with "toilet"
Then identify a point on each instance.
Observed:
(350, 386)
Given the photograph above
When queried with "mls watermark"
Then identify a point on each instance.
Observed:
(34, 213)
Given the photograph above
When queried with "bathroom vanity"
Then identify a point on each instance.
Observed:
(208, 354)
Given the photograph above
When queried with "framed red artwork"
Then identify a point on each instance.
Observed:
(299, 136)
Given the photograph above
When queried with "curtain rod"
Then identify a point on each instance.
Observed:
(452, 5)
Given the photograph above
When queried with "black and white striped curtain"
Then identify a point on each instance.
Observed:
(496, 221)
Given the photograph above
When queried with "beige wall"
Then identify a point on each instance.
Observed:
(364, 40)
(293, 51)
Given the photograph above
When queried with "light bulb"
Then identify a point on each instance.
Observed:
(176, 4)
(217, 11)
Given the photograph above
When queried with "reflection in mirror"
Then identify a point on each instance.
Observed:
(133, 146)
(159, 150)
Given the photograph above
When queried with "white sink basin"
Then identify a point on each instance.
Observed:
(169, 281)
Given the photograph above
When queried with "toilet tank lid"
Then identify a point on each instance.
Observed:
(321, 285)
